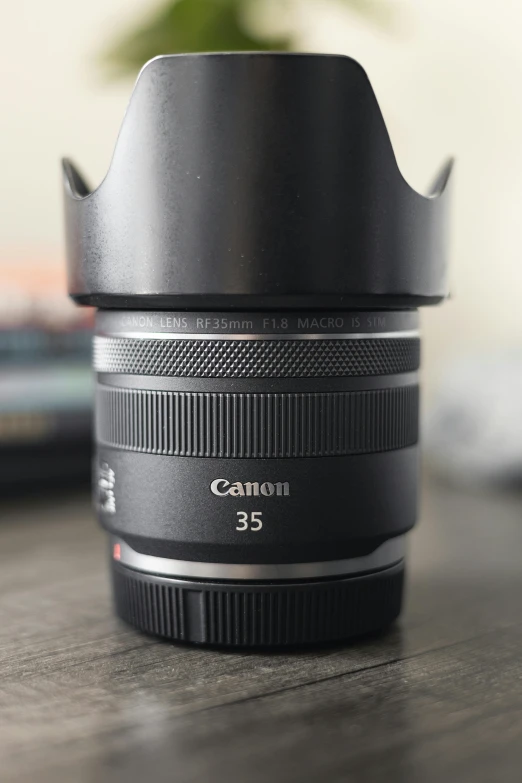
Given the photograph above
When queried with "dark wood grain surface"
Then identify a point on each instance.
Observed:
(84, 698)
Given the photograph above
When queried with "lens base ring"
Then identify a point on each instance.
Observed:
(258, 614)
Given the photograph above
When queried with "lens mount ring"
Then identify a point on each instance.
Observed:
(385, 555)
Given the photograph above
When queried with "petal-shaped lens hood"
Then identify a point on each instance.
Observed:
(254, 180)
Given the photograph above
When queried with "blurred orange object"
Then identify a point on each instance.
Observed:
(35, 294)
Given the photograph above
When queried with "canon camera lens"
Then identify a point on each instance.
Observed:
(257, 260)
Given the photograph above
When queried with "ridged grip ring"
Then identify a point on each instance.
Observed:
(256, 358)
(258, 614)
(257, 425)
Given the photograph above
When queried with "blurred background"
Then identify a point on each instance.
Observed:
(447, 74)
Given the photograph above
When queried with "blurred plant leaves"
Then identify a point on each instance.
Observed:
(188, 26)
(210, 26)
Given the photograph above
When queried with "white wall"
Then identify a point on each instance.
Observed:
(54, 101)
(448, 81)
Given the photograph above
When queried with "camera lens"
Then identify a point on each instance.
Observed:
(257, 471)
(257, 261)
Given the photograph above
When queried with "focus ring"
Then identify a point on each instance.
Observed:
(258, 614)
(257, 425)
(256, 358)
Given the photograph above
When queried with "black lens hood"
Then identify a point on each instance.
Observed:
(254, 181)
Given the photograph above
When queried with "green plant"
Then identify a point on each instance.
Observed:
(209, 26)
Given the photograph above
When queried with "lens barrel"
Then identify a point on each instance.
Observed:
(257, 472)
(257, 260)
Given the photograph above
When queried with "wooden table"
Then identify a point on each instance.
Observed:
(437, 698)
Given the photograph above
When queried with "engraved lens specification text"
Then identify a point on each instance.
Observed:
(255, 324)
